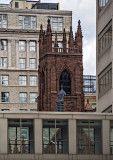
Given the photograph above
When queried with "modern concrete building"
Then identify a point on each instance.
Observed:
(56, 136)
(104, 57)
(19, 53)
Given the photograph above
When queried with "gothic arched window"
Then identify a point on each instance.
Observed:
(65, 82)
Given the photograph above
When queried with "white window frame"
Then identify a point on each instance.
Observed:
(22, 63)
(3, 44)
(4, 80)
(3, 62)
(23, 97)
(22, 46)
(33, 80)
(32, 46)
(22, 80)
(56, 23)
(32, 63)
(33, 97)
(3, 21)
(27, 22)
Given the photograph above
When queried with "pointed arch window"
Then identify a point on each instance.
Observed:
(65, 82)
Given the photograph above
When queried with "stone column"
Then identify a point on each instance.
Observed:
(106, 136)
(3, 136)
(27, 54)
(9, 53)
(72, 137)
(38, 136)
(17, 53)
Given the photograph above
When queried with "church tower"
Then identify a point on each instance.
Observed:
(60, 68)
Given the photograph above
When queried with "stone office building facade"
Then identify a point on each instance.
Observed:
(19, 53)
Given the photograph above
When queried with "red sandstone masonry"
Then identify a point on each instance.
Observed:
(52, 63)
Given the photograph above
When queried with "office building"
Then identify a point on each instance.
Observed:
(19, 53)
(56, 136)
(104, 55)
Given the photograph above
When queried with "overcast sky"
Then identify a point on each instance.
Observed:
(85, 10)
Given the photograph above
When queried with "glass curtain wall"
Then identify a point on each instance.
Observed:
(55, 136)
(89, 137)
(20, 136)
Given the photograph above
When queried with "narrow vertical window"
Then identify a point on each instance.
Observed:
(22, 63)
(4, 62)
(3, 21)
(4, 96)
(4, 80)
(32, 63)
(32, 46)
(22, 46)
(16, 5)
(4, 45)
(65, 82)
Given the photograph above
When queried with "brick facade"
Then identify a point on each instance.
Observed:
(52, 62)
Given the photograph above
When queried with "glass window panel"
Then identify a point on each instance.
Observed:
(56, 23)
(60, 19)
(22, 80)
(105, 82)
(33, 97)
(4, 45)
(55, 136)
(89, 137)
(27, 22)
(54, 19)
(22, 63)
(62, 136)
(4, 80)
(32, 46)
(48, 136)
(32, 63)
(21, 45)
(20, 17)
(3, 21)
(20, 136)
(33, 18)
(20, 24)
(23, 97)
(33, 25)
(105, 40)
(4, 97)
(33, 80)
(4, 62)
(65, 82)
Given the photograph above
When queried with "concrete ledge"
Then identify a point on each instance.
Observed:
(54, 157)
